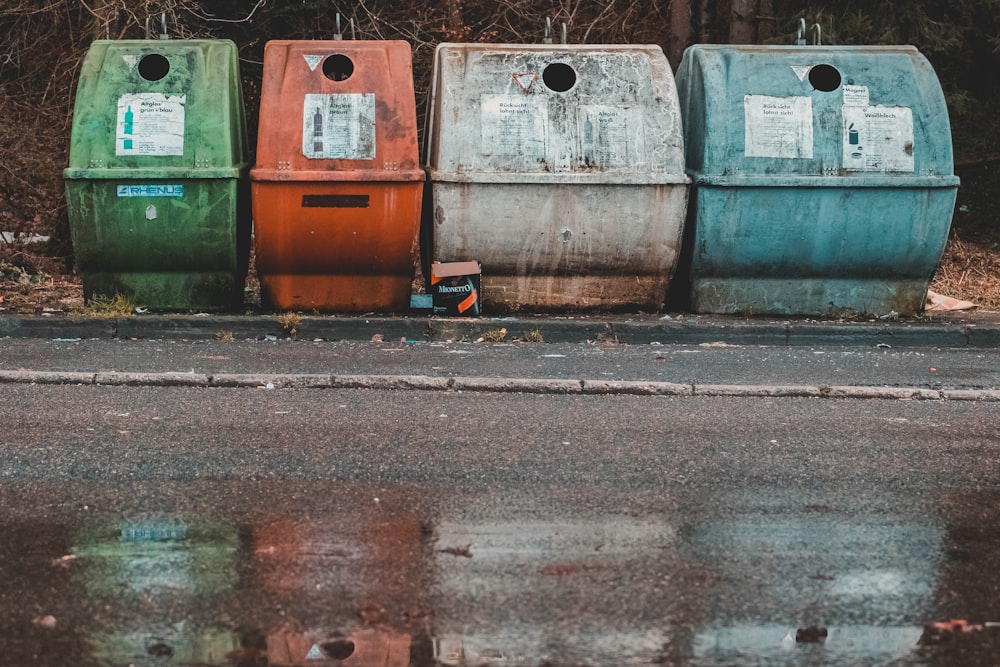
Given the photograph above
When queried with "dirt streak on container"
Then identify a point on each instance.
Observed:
(823, 178)
(337, 186)
(559, 168)
(157, 190)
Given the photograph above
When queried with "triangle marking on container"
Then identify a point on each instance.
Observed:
(130, 60)
(801, 71)
(315, 653)
(312, 61)
(525, 79)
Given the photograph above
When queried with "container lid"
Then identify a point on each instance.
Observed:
(339, 110)
(554, 113)
(148, 105)
(772, 115)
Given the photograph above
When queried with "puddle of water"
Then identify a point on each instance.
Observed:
(481, 585)
(776, 644)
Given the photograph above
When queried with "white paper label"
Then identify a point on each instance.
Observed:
(150, 124)
(778, 127)
(514, 125)
(339, 126)
(856, 96)
(612, 136)
(878, 139)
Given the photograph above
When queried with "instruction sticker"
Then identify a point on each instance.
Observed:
(612, 136)
(878, 138)
(150, 124)
(339, 126)
(856, 96)
(778, 127)
(514, 125)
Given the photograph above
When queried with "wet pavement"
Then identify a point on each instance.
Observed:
(184, 526)
(239, 574)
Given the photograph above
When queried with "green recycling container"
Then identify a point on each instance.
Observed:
(157, 186)
(822, 178)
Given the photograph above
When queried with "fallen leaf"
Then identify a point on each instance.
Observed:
(65, 560)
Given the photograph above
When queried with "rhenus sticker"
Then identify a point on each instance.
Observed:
(151, 190)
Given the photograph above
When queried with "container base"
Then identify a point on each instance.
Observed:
(572, 293)
(336, 293)
(807, 296)
(208, 291)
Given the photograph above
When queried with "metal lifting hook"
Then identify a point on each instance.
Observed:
(800, 37)
(548, 32)
(818, 34)
(163, 22)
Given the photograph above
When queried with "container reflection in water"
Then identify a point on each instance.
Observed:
(151, 576)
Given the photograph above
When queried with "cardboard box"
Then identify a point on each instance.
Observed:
(455, 288)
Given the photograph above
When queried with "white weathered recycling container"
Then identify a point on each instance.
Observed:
(561, 169)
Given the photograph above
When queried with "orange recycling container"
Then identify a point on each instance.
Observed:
(337, 186)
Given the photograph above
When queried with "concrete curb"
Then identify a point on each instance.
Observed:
(487, 385)
(979, 330)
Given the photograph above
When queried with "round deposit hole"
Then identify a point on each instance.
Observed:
(153, 67)
(559, 77)
(825, 78)
(338, 67)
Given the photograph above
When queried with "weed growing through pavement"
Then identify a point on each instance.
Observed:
(119, 305)
(290, 323)
(494, 335)
(533, 336)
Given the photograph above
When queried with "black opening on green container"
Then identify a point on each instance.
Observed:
(825, 78)
(338, 67)
(153, 67)
(559, 77)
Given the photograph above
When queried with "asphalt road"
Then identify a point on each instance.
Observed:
(214, 526)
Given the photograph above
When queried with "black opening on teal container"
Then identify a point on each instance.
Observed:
(559, 77)
(825, 78)
(338, 67)
(153, 67)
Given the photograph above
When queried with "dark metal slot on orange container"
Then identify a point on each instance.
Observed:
(335, 201)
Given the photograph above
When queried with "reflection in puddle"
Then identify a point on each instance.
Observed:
(157, 557)
(767, 644)
(482, 585)
(150, 575)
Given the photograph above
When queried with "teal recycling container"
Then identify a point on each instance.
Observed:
(157, 186)
(822, 178)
